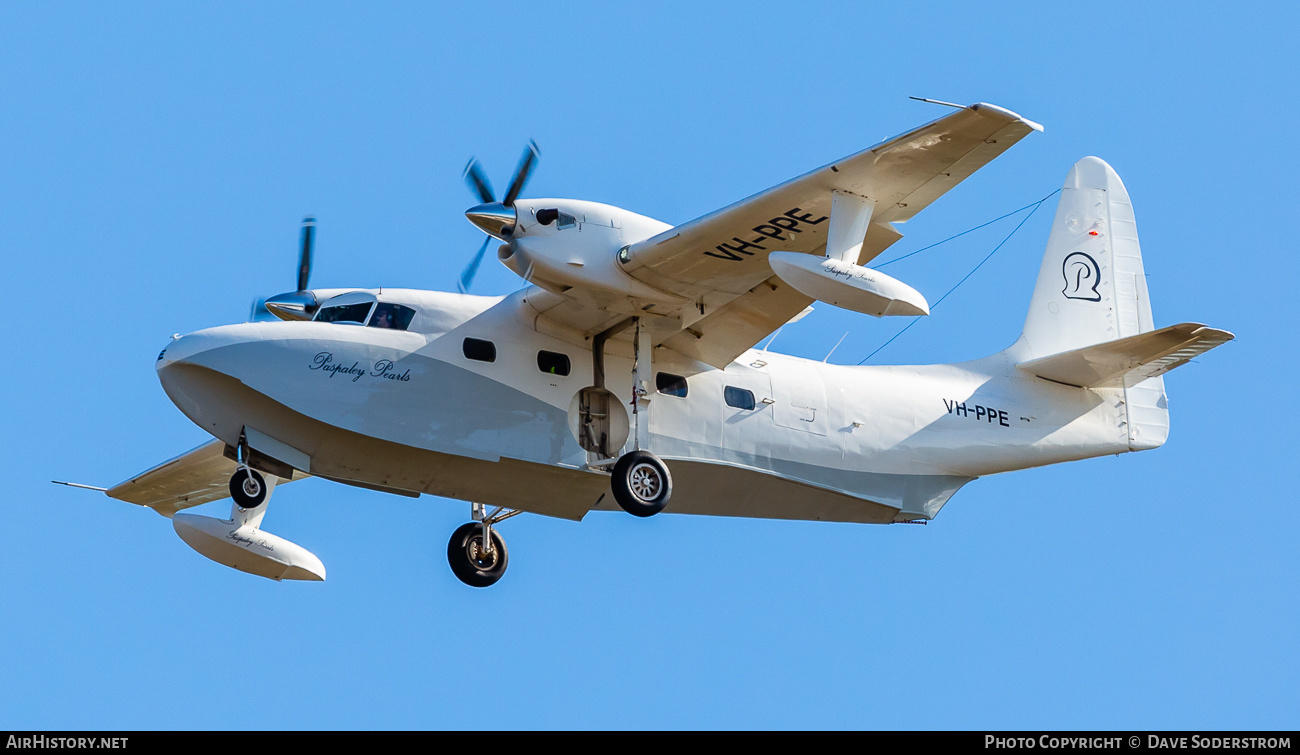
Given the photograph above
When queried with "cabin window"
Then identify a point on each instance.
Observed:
(670, 384)
(553, 363)
(353, 313)
(480, 350)
(393, 316)
(738, 397)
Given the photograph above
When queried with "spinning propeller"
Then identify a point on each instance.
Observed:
(496, 219)
(300, 304)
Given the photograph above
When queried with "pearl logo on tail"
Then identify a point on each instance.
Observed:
(1082, 275)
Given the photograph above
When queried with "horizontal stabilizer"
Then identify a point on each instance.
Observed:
(1128, 361)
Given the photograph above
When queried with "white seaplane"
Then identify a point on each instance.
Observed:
(625, 375)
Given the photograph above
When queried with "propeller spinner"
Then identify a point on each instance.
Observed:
(300, 304)
(496, 219)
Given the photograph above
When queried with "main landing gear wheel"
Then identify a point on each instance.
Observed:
(641, 483)
(473, 564)
(247, 488)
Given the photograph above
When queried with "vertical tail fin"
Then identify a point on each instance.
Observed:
(1092, 289)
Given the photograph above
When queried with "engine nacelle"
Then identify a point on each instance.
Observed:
(560, 244)
(247, 548)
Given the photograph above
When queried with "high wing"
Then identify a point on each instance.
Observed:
(717, 265)
(195, 477)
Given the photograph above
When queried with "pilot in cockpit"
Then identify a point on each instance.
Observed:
(391, 316)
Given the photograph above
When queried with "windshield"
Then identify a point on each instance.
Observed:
(352, 313)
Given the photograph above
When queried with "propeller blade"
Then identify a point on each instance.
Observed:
(525, 168)
(467, 275)
(478, 182)
(307, 245)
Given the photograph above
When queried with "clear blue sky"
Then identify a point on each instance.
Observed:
(156, 159)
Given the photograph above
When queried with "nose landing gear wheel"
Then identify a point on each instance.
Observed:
(473, 564)
(247, 488)
(641, 483)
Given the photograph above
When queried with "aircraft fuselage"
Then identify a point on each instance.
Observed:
(420, 411)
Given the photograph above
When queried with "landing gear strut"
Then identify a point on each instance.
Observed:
(476, 552)
(640, 481)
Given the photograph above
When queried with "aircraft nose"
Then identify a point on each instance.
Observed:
(183, 349)
(494, 219)
(196, 370)
(192, 348)
(178, 349)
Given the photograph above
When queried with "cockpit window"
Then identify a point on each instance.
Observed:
(353, 313)
(393, 316)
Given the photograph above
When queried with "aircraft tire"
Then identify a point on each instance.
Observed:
(247, 488)
(467, 560)
(641, 483)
